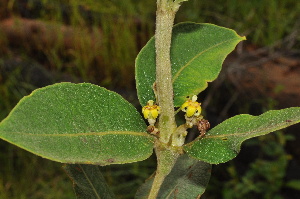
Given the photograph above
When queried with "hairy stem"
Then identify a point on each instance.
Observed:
(166, 10)
(166, 158)
(166, 155)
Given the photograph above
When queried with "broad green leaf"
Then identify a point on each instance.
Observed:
(88, 182)
(197, 54)
(78, 123)
(188, 179)
(223, 142)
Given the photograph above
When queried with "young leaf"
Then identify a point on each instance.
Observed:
(188, 179)
(78, 123)
(88, 181)
(197, 54)
(223, 142)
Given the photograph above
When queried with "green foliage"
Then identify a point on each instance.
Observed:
(223, 142)
(78, 123)
(87, 124)
(189, 177)
(88, 181)
(125, 179)
(197, 54)
(251, 177)
(19, 167)
(263, 22)
(58, 30)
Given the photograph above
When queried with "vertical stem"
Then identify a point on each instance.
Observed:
(165, 15)
(166, 155)
(166, 159)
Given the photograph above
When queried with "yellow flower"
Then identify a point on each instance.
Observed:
(191, 107)
(151, 110)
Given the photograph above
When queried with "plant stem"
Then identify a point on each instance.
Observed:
(166, 155)
(165, 14)
(166, 158)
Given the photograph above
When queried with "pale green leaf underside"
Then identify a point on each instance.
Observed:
(88, 182)
(223, 142)
(197, 54)
(78, 123)
(188, 179)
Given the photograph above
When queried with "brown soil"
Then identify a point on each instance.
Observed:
(276, 76)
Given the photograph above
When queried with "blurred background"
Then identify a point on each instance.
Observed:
(47, 41)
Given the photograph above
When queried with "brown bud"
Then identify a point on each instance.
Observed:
(203, 125)
(150, 128)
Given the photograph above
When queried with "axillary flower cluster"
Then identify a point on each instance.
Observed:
(151, 112)
(192, 107)
(193, 116)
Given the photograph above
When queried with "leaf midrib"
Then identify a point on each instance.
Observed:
(85, 134)
(180, 179)
(90, 182)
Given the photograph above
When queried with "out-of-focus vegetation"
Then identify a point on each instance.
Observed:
(43, 42)
(263, 22)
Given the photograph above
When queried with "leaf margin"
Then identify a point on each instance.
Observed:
(149, 139)
(200, 142)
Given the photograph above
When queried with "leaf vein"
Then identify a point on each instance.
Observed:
(90, 182)
(196, 56)
(93, 133)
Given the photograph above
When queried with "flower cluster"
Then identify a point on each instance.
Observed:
(192, 107)
(151, 112)
(193, 116)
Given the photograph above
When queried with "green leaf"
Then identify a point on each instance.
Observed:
(88, 181)
(223, 142)
(293, 184)
(188, 179)
(78, 123)
(197, 54)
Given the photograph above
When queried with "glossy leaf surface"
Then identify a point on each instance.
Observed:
(88, 182)
(78, 123)
(223, 142)
(197, 54)
(188, 179)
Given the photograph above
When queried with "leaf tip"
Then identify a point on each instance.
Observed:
(243, 38)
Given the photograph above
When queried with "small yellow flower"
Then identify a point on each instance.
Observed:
(191, 107)
(151, 110)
